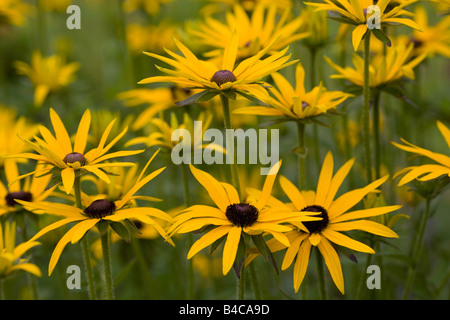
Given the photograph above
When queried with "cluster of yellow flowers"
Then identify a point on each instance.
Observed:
(239, 54)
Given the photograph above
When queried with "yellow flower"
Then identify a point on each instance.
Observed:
(10, 128)
(36, 189)
(152, 7)
(67, 161)
(434, 39)
(12, 12)
(10, 254)
(158, 99)
(223, 5)
(355, 12)
(426, 172)
(116, 214)
(295, 103)
(47, 74)
(150, 37)
(244, 79)
(336, 218)
(255, 32)
(383, 68)
(233, 218)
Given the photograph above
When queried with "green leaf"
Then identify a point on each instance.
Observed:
(261, 245)
(382, 36)
(121, 230)
(230, 94)
(252, 98)
(208, 96)
(240, 258)
(192, 99)
(131, 226)
(102, 226)
(215, 244)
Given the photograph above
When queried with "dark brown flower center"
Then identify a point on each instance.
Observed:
(11, 198)
(223, 76)
(319, 225)
(242, 214)
(75, 157)
(100, 208)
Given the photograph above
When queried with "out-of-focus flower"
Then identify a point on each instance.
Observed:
(151, 37)
(152, 7)
(47, 74)
(255, 31)
(13, 12)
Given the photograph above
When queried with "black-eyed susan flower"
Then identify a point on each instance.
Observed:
(294, 102)
(34, 190)
(47, 74)
(398, 62)
(355, 12)
(255, 30)
(232, 218)
(11, 254)
(98, 213)
(426, 172)
(68, 162)
(10, 127)
(226, 79)
(337, 218)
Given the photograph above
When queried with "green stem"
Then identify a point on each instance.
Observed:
(417, 249)
(241, 285)
(227, 124)
(255, 283)
(302, 155)
(84, 244)
(135, 243)
(321, 275)
(366, 109)
(376, 133)
(2, 289)
(108, 286)
(190, 280)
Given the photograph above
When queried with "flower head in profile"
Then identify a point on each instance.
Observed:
(34, 190)
(426, 172)
(100, 213)
(398, 62)
(255, 30)
(47, 74)
(67, 161)
(233, 218)
(226, 78)
(359, 13)
(10, 253)
(337, 219)
(295, 103)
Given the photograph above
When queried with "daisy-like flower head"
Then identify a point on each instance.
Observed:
(355, 12)
(234, 218)
(255, 31)
(10, 254)
(336, 219)
(426, 172)
(97, 211)
(227, 79)
(10, 128)
(295, 103)
(386, 68)
(67, 161)
(47, 74)
(32, 190)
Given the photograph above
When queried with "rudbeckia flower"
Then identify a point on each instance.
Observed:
(354, 12)
(116, 214)
(255, 31)
(336, 220)
(226, 79)
(386, 68)
(10, 254)
(33, 190)
(426, 172)
(69, 161)
(47, 74)
(233, 218)
(294, 103)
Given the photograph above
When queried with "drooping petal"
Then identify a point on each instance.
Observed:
(230, 248)
(208, 239)
(333, 263)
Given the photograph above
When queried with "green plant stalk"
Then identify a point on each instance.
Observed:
(321, 275)
(376, 133)
(108, 285)
(313, 52)
(2, 289)
(254, 282)
(143, 266)
(84, 244)
(227, 124)
(302, 157)
(417, 249)
(365, 119)
(187, 199)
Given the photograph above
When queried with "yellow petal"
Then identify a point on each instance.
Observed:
(208, 239)
(357, 35)
(230, 248)
(301, 264)
(68, 179)
(333, 263)
(82, 132)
